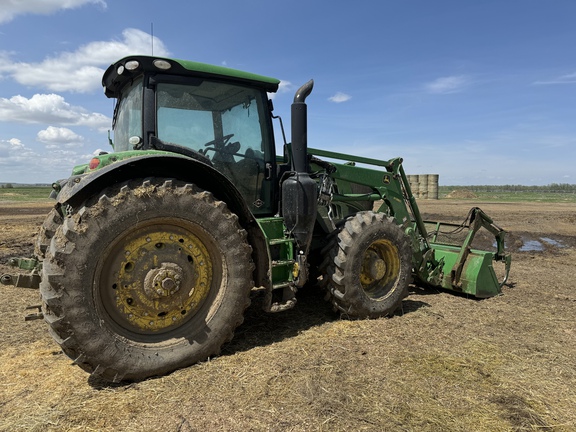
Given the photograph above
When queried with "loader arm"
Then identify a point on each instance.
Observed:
(453, 265)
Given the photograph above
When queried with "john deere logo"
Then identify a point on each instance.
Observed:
(386, 180)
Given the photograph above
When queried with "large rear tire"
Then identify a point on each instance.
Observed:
(146, 278)
(368, 266)
(47, 230)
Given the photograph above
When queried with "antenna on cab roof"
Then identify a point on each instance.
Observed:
(152, 36)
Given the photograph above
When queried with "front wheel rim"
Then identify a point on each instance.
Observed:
(380, 269)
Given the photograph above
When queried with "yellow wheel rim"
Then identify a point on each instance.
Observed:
(380, 269)
(156, 277)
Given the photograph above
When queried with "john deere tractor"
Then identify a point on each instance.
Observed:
(147, 261)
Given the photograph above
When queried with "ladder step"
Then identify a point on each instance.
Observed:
(273, 242)
(283, 263)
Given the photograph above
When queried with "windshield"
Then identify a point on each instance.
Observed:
(128, 117)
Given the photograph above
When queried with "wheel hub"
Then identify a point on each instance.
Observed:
(164, 281)
(374, 266)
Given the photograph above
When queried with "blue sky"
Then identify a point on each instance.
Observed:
(481, 92)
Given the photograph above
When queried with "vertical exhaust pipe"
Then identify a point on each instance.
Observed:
(299, 190)
(300, 128)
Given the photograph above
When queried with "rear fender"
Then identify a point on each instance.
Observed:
(77, 189)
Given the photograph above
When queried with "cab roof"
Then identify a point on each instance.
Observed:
(128, 68)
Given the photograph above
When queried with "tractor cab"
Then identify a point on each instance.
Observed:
(218, 116)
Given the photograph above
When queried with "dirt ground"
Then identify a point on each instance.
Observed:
(443, 363)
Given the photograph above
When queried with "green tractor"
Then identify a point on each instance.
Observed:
(147, 262)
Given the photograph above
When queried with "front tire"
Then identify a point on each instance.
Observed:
(146, 278)
(368, 266)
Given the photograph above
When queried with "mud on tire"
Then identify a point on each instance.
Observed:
(144, 278)
(47, 231)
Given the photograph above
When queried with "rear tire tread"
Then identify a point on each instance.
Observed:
(68, 311)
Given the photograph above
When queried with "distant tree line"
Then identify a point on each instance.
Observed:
(553, 187)
(23, 185)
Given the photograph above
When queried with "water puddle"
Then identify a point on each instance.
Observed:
(531, 246)
(538, 245)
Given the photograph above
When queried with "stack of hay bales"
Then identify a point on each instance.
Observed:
(424, 186)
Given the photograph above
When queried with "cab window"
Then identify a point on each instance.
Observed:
(226, 123)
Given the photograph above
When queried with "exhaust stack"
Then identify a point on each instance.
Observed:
(300, 128)
(299, 191)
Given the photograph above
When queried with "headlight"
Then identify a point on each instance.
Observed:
(162, 64)
(132, 65)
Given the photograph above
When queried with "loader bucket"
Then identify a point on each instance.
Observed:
(477, 278)
(467, 270)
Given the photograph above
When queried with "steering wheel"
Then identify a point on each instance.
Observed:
(219, 143)
(223, 149)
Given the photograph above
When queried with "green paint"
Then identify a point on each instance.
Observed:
(478, 277)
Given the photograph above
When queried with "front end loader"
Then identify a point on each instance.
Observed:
(148, 259)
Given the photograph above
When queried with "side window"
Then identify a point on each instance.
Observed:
(186, 127)
(181, 118)
(226, 123)
(244, 122)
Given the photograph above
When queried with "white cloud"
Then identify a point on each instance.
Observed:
(283, 87)
(54, 137)
(449, 84)
(340, 97)
(9, 9)
(81, 70)
(19, 162)
(49, 108)
(16, 143)
(564, 79)
(14, 152)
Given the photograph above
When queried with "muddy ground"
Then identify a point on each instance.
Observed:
(443, 363)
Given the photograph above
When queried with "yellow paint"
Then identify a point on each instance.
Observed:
(380, 267)
(152, 314)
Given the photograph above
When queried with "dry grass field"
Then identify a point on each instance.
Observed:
(443, 363)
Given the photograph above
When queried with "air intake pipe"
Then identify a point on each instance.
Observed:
(299, 191)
